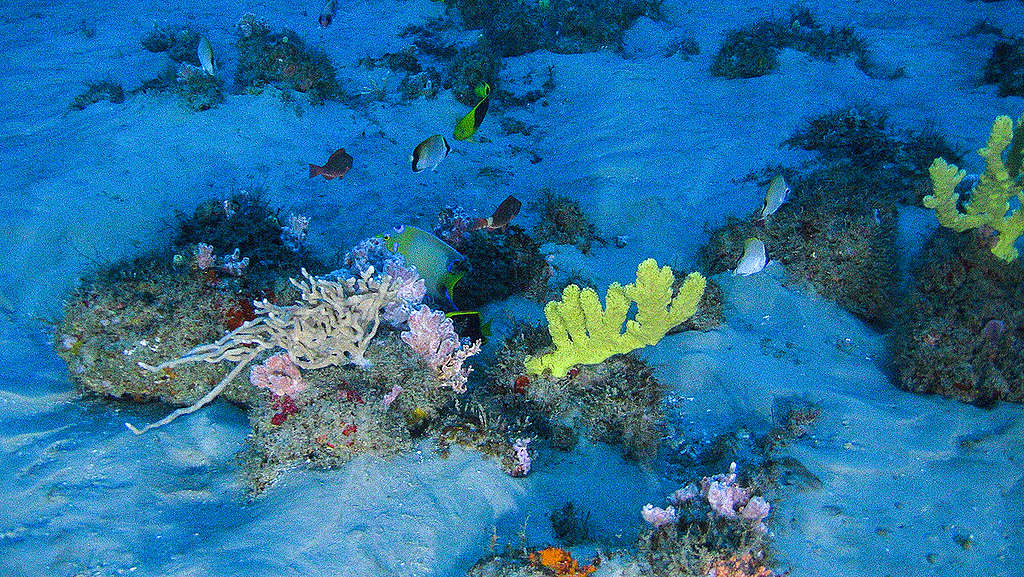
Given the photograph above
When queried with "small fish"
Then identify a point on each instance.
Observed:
(336, 167)
(506, 211)
(776, 195)
(466, 127)
(205, 53)
(754, 258)
(430, 153)
(327, 13)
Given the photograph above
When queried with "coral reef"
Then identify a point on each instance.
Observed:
(960, 333)
(96, 92)
(585, 333)
(616, 402)
(344, 412)
(515, 28)
(988, 204)
(1005, 67)
(164, 303)
(499, 264)
(332, 323)
(706, 531)
(282, 59)
(245, 222)
(562, 222)
(839, 230)
(179, 42)
(753, 51)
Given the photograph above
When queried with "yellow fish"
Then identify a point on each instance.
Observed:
(754, 258)
(204, 51)
(466, 127)
(776, 195)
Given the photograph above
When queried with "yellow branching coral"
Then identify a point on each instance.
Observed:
(989, 202)
(584, 332)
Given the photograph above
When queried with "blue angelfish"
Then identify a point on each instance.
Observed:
(432, 257)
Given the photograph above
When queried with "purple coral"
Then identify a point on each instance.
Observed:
(659, 517)
(521, 457)
(411, 290)
(432, 336)
(279, 374)
(729, 500)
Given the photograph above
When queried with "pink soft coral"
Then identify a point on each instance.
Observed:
(433, 337)
(279, 374)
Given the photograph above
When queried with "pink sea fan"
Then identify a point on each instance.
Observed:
(659, 517)
(279, 374)
(204, 256)
(432, 336)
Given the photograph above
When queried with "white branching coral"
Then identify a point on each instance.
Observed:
(331, 324)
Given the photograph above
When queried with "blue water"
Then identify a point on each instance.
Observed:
(652, 146)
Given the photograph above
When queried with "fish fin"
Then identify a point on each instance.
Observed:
(315, 170)
(449, 280)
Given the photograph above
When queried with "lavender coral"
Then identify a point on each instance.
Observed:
(659, 517)
(730, 501)
(433, 337)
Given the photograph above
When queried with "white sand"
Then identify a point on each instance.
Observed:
(649, 145)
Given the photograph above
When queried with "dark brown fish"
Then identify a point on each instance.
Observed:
(336, 167)
(327, 13)
(506, 211)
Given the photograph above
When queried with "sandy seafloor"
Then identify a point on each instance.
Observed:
(649, 145)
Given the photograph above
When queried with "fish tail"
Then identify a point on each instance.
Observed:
(315, 170)
(478, 223)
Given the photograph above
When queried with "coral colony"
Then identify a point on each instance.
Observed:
(381, 350)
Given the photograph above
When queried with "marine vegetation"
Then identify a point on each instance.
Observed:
(1005, 67)
(584, 332)
(500, 264)
(562, 221)
(331, 324)
(753, 51)
(282, 59)
(515, 28)
(473, 66)
(179, 42)
(273, 242)
(988, 203)
(164, 303)
(960, 332)
(838, 230)
(96, 92)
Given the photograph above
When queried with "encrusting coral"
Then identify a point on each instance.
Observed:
(331, 325)
(584, 333)
(989, 202)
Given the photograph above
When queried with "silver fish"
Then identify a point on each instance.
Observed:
(205, 53)
(754, 258)
(776, 195)
(430, 153)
